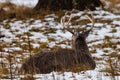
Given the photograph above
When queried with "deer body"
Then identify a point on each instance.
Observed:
(76, 59)
(60, 60)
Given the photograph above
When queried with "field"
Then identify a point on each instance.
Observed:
(26, 32)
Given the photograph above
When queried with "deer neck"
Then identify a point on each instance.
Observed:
(81, 47)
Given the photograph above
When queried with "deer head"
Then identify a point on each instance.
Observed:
(78, 37)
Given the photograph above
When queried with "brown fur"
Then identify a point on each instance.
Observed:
(60, 60)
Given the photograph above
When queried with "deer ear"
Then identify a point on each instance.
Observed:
(86, 33)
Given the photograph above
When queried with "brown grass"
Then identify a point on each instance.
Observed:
(114, 2)
(4, 71)
(112, 5)
(10, 10)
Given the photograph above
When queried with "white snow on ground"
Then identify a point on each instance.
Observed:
(100, 31)
(29, 3)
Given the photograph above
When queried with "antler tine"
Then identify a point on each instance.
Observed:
(91, 19)
(67, 24)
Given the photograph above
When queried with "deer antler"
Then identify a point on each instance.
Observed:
(67, 24)
(91, 19)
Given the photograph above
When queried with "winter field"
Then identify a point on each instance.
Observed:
(29, 35)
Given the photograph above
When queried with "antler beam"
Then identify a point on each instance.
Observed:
(65, 23)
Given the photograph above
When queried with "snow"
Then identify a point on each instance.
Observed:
(116, 22)
(100, 31)
(29, 3)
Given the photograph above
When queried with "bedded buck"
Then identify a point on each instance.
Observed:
(76, 59)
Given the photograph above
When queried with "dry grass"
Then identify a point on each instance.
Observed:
(113, 66)
(10, 10)
(113, 5)
(4, 71)
(23, 12)
(114, 2)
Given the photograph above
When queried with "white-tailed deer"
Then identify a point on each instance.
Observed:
(77, 59)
